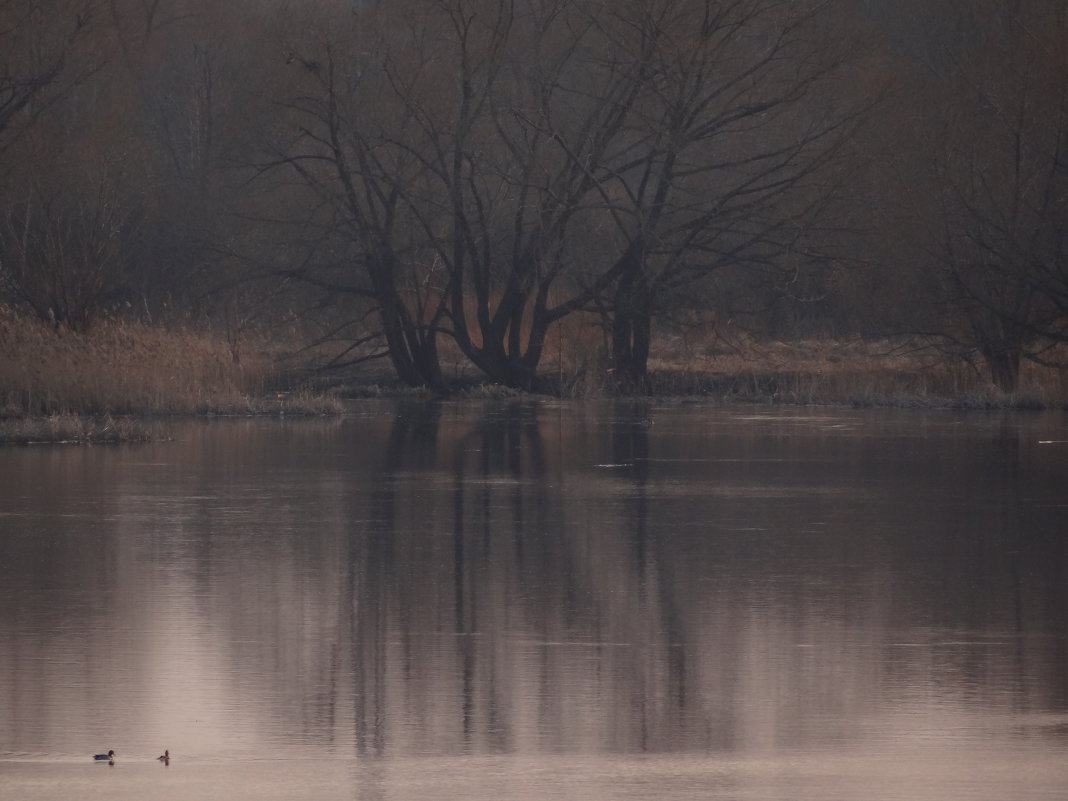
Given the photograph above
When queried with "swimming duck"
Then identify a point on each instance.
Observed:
(110, 755)
(165, 758)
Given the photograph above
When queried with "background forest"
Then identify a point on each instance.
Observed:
(548, 195)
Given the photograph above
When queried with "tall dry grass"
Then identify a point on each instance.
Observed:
(859, 373)
(126, 368)
(733, 366)
(121, 368)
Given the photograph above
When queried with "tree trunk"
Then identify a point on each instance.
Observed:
(1001, 343)
(412, 347)
(1003, 360)
(630, 350)
(631, 330)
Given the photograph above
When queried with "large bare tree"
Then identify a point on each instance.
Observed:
(726, 157)
(502, 165)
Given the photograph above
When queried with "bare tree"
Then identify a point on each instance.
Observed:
(117, 197)
(68, 251)
(517, 153)
(728, 153)
(999, 132)
(503, 165)
(46, 53)
(40, 57)
(338, 135)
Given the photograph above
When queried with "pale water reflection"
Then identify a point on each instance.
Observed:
(542, 600)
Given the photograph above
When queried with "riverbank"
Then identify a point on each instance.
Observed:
(77, 429)
(112, 384)
(115, 383)
(860, 373)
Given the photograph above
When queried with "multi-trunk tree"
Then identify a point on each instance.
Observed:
(498, 166)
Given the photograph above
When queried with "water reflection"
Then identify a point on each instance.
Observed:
(538, 578)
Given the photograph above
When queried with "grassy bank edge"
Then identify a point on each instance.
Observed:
(123, 381)
(87, 428)
(789, 389)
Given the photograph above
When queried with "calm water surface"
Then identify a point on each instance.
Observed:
(541, 600)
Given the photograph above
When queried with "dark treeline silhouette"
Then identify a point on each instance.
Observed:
(397, 180)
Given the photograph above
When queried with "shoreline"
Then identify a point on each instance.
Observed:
(124, 380)
(89, 428)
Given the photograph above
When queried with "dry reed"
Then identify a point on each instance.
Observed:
(119, 368)
(126, 368)
(50, 377)
(858, 373)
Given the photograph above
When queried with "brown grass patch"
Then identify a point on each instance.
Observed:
(859, 373)
(122, 368)
(739, 367)
(125, 368)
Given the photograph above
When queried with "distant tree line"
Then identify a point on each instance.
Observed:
(407, 176)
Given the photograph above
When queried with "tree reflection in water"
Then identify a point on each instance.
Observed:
(537, 577)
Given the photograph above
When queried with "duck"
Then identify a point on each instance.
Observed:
(110, 755)
(165, 757)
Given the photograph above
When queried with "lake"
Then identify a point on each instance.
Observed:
(532, 599)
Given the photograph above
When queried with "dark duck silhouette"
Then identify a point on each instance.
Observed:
(165, 758)
(110, 755)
